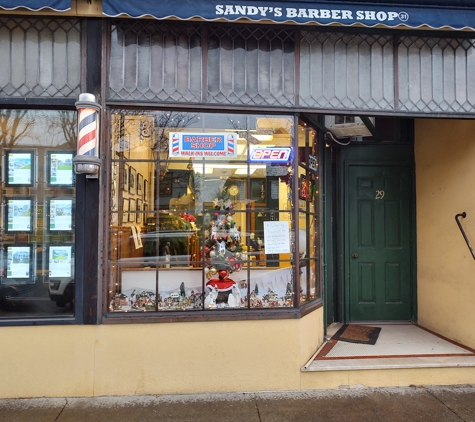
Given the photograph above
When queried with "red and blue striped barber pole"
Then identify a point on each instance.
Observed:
(231, 143)
(87, 159)
(87, 128)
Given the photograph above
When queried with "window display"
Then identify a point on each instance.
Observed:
(206, 217)
(38, 213)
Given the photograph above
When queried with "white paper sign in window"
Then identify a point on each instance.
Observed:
(276, 237)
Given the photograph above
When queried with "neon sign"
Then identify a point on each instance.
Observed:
(277, 155)
(217, 145)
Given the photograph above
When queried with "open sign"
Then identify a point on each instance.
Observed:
(281, 155)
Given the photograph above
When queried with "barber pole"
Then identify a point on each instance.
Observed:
(87, 160)
(231, 144)
(87, 128)
(175, 144)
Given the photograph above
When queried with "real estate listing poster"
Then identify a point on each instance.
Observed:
(19, 215)
(60, 214)
(19, 169)
(18, 261)
(60, 261)
(61, 169)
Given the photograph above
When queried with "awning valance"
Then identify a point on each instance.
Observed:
(56, 5)
(437, 14)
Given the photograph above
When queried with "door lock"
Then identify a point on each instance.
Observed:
(355, 255)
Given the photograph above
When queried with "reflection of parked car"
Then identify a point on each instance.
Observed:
(154, 252)
(61, 291)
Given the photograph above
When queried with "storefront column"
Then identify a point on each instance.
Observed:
(88, 190)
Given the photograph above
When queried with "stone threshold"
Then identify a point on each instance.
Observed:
(412, 362)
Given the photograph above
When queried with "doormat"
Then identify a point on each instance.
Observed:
(353, 333)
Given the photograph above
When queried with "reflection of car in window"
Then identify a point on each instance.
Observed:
(154, 246)
(61, 291)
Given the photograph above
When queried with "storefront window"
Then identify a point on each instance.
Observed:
(309, 221)
(202, 214)
(38, 213)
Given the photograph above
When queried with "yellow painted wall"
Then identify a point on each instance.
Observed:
(445, 180)
(188, 357)
(132, 359)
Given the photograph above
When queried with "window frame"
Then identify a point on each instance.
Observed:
(297, 311)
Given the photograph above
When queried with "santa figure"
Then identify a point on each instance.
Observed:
(223, 284)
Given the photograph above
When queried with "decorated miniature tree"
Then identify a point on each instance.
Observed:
(222, 248)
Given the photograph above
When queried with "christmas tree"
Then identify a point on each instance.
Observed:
(222, 246)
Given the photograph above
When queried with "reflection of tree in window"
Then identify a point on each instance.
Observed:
(166, 122)
(166, 185)
(14, 125)
(20, 126)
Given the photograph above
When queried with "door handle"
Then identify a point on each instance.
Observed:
(355, 255)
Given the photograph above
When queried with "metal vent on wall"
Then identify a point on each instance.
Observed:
(347, 126)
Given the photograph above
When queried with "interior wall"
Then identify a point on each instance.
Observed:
(445, 175)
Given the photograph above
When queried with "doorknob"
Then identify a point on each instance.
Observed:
(355, 255)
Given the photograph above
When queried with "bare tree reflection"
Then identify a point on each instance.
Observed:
(65, 124)
(15, 125)
(166, 122)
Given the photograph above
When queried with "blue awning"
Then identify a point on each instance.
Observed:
(437, 14)
(56, 5)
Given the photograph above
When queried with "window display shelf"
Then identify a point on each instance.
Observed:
(268, 287)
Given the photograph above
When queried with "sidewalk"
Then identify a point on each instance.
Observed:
(405, 404)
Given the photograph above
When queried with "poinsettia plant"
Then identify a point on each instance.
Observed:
(188, 217)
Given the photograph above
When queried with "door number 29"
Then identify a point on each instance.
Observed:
(379, 194)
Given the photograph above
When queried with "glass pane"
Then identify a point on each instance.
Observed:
(449, 62)
(38, 213)
(251, 66)
(45, 57)
(309, 218)
(155, 61)
(346, 71)
(198, 217)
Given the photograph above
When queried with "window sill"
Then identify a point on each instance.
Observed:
(216, 315)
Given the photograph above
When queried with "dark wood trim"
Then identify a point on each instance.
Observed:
(102, 290)
(87, 195)
(204, 63)
(295, 212)
(278, 110)
(93, 31)
(218, 315)
(45, 103)
(37, 320)
(309, 307)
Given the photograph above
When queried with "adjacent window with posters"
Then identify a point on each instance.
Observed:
(38, 213)
(205, 213)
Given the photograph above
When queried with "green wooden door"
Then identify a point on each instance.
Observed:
(379, 242)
